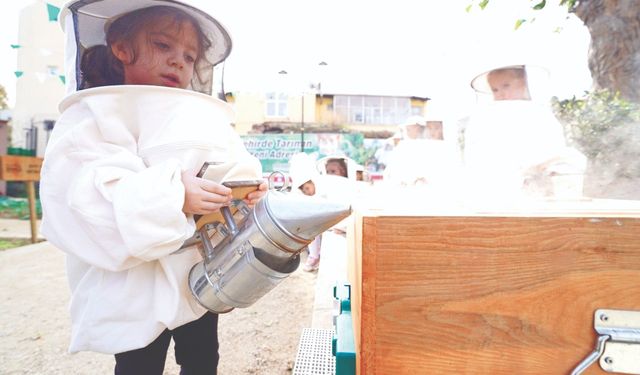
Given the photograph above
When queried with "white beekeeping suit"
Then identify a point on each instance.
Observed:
(423, 157)
(513, 142)
(405, 167)
(111, 187)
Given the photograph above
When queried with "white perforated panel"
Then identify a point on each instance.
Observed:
(314, 353)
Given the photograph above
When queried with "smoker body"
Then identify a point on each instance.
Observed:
(260, 250)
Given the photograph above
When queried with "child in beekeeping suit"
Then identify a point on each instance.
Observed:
(401, 167)
(119, 186)
(514, 145)
(306, 179)
(331, 178)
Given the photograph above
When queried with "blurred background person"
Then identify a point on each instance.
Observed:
(333, 178)
(336, 167)
(509, 83)
(403, 167)
(513, 144)
(342, 179)
(383, 153)
(304, 179)
(413, 127)
(340, 166)
(423, 157)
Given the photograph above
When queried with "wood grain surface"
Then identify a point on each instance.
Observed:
(487, 295)
(238, 193)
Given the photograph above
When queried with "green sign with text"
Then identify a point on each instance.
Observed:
(275, 150)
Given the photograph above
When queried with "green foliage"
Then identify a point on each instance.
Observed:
(3, 98)
(10, 243)
(357, 151)
(519, 23)
(17, 208)
(537, 7)
(481, 4)
(540, 5)
(570, 4)
(606, 128)
(364, 155)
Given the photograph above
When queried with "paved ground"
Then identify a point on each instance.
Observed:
(262, 339)
(13, 228)
(332, 270)
(333, 253)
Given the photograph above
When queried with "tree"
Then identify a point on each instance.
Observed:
(3, 98)
(614, 53)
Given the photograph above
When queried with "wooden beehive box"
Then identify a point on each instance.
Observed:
(489, 292)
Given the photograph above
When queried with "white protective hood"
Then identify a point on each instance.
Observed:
(83, 22)
(537, 80)
(302, 169)
(117, 209)
(352, 166)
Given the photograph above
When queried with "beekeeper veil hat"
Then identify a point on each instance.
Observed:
(352, 166)
(534, 77)
(302, 169)
(86, 22)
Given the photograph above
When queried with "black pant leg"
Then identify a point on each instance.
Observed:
(149, 360)
(196, 346)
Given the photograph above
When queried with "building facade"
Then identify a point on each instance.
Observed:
(346, 112)
(40, 83)
(40, 88)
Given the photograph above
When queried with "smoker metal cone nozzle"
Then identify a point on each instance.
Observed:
(303, 216)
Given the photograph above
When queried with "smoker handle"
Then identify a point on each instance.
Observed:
(230, 221)
(231, 225)
(209, 249)
(206, 242)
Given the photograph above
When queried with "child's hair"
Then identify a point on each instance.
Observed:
(100, 67)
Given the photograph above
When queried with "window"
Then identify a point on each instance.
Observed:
(365, 109)
(276, 104)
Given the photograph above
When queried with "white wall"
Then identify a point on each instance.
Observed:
(38, 90)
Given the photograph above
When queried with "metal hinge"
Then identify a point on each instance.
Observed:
(618, 346)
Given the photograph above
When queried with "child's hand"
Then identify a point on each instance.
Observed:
(253, 197)
(202, 197)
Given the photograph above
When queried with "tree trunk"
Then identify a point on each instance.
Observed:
(614, 54)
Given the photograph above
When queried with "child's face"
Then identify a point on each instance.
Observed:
(508, 85)
(308, 188)
(415, 131)
(334, 168)
(434, 129)
(166, 55)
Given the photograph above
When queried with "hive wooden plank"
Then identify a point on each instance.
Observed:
(487, 294)
(354, 275)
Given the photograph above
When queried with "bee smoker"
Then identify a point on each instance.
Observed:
(258, 248)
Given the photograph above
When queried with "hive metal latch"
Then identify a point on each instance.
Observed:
(618, 346)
